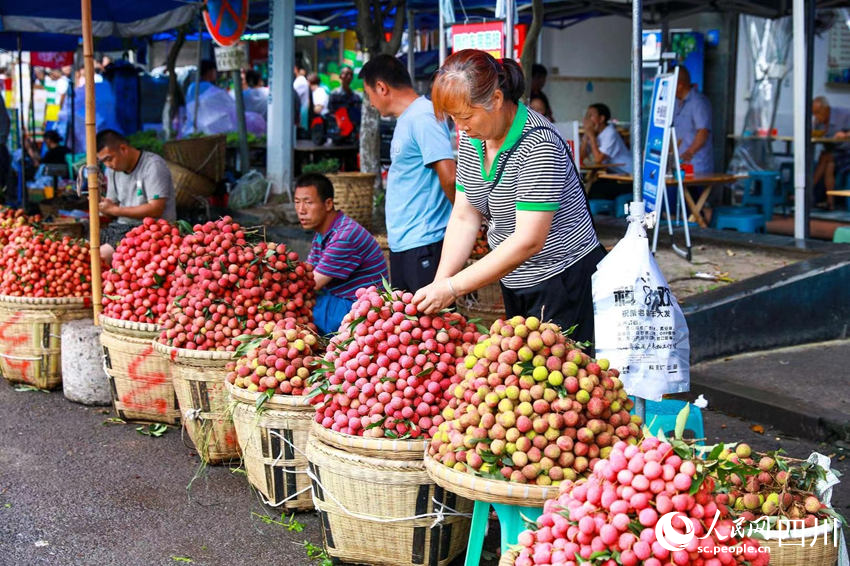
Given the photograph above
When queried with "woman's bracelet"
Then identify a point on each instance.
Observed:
(451, 287)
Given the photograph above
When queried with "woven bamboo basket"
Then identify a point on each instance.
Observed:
(199, 378)
(205, 156)
(486, 304)
(273, 442)
(31, 337)
(815, 546)
(385, 247)
(384, 448)
(353, 195)
(491, 491)
(138, 377)
(66, 227)
(188, 185)
(509, 558)
(384, 511)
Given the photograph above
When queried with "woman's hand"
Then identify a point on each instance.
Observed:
(434, 297)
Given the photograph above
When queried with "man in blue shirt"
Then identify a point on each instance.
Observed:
(830, 122)
(208, 78)
(692, 120)
(421, 179)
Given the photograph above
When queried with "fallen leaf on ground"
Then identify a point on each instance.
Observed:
(757, 428)
(41, 543)
(730, 253)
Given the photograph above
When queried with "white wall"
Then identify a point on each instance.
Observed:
(837, 95)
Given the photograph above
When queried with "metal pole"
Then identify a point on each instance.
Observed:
(442, 31)
(280, 124)
(637, 98)
(509, 29)
(72, 127)
(800, 118)
(198, 72)
(244, 160)
(91, 161)
(22, 189)
(411, 35)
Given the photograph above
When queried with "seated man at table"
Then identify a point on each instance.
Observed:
(830, 122)
(344, 255)
(692, 120)
(604, 144)
(138, 185)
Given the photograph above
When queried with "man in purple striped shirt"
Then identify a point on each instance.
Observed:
(344, 255)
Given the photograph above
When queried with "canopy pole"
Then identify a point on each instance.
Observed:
(637, 108)
(91, 161)
(198, 71)
(22, 188)
(244, 158)
(802, 125)
(442, 31)
(411, 33)
(280, 126)
(509, 29)
(72, 127)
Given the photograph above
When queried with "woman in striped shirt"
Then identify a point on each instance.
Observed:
(515, 172)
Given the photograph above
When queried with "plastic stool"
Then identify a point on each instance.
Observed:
(767, 183)
(721, 210)
(620, 205)
(511, 524)
(740, 222)
(841, 235)
(601, 206)
(661, 415)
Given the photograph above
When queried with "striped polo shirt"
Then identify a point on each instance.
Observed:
(350, 255)
(538, 175)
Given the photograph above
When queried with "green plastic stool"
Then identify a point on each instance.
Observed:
(841, 235)
(511, 524)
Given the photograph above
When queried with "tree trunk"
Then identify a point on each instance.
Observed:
(174, 99)
(529, 48)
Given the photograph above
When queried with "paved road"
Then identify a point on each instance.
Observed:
(74, 490)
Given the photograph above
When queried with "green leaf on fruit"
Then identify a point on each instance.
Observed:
(569, 330)
(696, 484)
(600, 554)
(391, 434)
(716, 451)
(386, 284)
(507, 461)
(354, 324)
(426, 371)
(681, 421)
(184, 227)
(263, 397)
(113, 297)
(376, 424)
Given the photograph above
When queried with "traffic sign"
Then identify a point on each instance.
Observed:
(225, 20)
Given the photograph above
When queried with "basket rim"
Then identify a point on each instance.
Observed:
(80, 301)
(122, 324)
(414, 446)
(184, 353)
(489, 490)
(275, 402)
(352, 174)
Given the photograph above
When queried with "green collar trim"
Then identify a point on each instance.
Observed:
(514, 133)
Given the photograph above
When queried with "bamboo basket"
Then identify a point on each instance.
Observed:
(138, 377)
(815, 546)
(31, 337)
(205, 156)
(273, 441)
(385, 247)
(353, 195)
(65, 227)
(369, 507)
(188, 185)
(486, 303)
(199, 378)
(490, 491)
(384, 448)
(509, 558)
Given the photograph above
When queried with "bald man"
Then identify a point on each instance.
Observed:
(692, 120)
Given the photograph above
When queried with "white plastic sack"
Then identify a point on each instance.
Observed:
(216, 113)
(250, 190)
(640, 328)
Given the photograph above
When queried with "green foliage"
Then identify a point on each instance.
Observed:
(146, 140)
(317, 554)
(328, 165)
(155, 430)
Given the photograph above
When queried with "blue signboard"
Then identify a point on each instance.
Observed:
(658, 137)
(225, 20)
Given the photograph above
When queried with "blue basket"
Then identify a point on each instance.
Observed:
(661, 415)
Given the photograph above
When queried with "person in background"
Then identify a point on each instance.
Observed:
(692, 120)
(318, 95)
(256, 96)
(208, 78)
(344, 255)
(516, 172)
(302, 89)
(56, 152)
(603, 144)
(538, 81)
(5, 156)
(344, 97)
(138, 185)
(421, 179)
(538, 104)
(830, 122)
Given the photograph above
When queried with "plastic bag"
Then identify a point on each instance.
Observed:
(640, 328)
(216, 113)
(250, 189)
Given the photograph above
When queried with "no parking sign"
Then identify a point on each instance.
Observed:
(225, 20)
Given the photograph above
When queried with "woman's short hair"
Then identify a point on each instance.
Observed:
(471, 77)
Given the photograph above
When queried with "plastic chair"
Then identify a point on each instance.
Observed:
(740, 222)
(760, 189)
(601, 206)
(841, 235)
(620, 205)
(730, 210)
(511, 524)
(661, 415)
(786, 184)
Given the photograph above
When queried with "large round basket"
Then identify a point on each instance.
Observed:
(204, 156)
(486, 304)
(138, 377)
(509, 558)
(189, 186)
(65, 227)
(385, 247)
(384, 511)
(199, 377)
(815, 546)
(491, 491)
(384, 448)
(353, 195)
(273, 440)
(31, 337)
